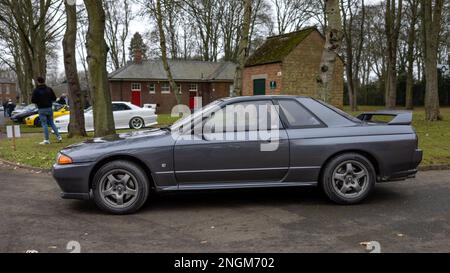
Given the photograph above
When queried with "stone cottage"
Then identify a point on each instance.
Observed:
(289, 64)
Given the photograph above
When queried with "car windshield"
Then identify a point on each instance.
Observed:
(190, 118)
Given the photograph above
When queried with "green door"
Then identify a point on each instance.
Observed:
(259, 87)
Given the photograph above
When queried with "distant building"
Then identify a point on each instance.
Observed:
(289, 64)
(8, 90)
(145, 82)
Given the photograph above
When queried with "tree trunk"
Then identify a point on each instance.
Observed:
(76, 126)
(393, 23)
(432, 25)
(97, 52)
(243, 46)
(409, 103)
(333, 36)
(162, 42)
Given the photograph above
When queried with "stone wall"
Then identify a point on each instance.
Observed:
(298, 72)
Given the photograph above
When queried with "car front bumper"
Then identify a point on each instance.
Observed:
(73, 180)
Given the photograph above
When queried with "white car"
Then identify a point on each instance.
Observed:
(126, 116)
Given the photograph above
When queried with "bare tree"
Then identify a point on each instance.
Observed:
(243, 47)
(97, 52)
(413, 16)
(392, 28)
(292, 14)
(162, 40)
(37, 24)
(333, 40)
(353, 45)
(118, 19)
(77, 126)
(206, 16)
(431, 20)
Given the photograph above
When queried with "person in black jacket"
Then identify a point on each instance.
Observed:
(43, 96)
(5, 112)
(10, 106)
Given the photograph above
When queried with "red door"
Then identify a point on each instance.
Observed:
(192, 96)
(136, 98)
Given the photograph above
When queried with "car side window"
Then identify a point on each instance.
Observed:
(297, 116)
(120, 107)
(244, 117)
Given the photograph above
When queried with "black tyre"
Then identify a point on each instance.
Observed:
(137, 123)
(348, 178)
(120, 187)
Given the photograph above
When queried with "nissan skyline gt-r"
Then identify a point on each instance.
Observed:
(244, 142)
(126, 115)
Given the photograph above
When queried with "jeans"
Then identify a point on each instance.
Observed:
(46, 118)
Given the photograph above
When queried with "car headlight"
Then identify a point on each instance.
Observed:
(63, 159)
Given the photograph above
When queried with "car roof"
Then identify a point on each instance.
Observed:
(259, 97)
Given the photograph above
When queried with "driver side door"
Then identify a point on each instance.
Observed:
(242, 153)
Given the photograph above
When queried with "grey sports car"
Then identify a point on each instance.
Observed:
(245, 142)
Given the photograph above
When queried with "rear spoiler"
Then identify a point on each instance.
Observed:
(400, 117)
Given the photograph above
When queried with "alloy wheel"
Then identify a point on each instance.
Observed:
(350, 179)
(119, 189)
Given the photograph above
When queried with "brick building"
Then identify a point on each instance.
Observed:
(145, 82)
(289, 64)
(8, 90)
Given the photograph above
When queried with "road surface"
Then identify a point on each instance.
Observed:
(408, 216)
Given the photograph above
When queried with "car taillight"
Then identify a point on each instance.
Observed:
(64, 160)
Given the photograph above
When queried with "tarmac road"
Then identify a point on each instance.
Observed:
(412, 216)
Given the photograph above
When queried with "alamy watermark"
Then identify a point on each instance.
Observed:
(251, 121)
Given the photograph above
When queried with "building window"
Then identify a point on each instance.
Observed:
(152, 88)
(7, 90)
(179, 88)
(193, 87)
(136, 86)
(165, 88)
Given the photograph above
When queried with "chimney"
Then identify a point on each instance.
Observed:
(138, 56)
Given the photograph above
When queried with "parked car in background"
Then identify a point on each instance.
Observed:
(1, 108)
(315, 144)
(58, 111)
(126, 116)
(19, 116)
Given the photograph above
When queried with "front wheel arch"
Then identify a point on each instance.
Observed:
(129, 158)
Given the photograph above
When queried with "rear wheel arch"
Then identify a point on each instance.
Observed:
(128, 158)
(366, 154)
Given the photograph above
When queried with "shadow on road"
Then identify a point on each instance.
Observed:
(305, 196)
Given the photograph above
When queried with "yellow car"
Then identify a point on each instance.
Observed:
(58, 111)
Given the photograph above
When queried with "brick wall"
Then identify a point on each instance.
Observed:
(301, 68)
(269, 71)
(8, 91)
(121, 91)
(299, 72)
